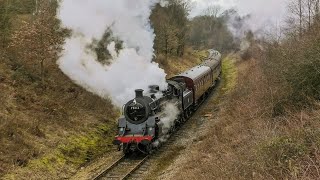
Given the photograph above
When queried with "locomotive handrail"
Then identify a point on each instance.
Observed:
(122, 109)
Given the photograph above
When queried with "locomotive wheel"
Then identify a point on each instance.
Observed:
(219, 77)
(186, 115)
(126, 149)
(149, 149)
(189, 113)
(183, 119)
(173, 128)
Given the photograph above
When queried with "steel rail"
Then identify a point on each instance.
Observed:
(113, 165)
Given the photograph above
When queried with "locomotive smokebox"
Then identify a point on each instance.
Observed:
(139, 93)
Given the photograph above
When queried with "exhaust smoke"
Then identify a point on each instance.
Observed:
(167, 119)
(130, 67)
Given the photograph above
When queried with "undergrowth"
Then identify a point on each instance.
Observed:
(268, 124)
(68, 157)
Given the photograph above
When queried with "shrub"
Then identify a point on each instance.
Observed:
(293, 69)
(284, 155)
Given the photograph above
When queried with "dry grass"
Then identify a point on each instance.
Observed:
(227, 149)
(46, 130)
(176, 65)
(246, 141)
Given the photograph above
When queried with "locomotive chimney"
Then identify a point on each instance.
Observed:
(139, 93)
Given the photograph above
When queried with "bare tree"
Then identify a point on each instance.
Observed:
(300, 17)
(304, 13)
(38, 41)
(316, 10)
(309, 9)
(296, 8)
(213, 11)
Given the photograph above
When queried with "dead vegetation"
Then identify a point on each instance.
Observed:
(49, 126)
(176, 65)
(268, 126)
(37, 121)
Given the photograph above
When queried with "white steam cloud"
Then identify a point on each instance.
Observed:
(131, 68)
(171, 113)
(167, 118)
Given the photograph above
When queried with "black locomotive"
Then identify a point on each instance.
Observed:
(145, 124)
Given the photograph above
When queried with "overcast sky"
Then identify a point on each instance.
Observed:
(263, 12)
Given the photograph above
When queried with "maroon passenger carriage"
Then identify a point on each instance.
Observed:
(202, 78)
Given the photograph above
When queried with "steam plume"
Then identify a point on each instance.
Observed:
(167, 119)
(171, 113)
(131, 67)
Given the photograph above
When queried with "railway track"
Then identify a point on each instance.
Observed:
(122, 168)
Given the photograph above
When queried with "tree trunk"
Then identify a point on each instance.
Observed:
(166, 47)
(317, 12)
(309, 13)
(300, 18)
(42, 71)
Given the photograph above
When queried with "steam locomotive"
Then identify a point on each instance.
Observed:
(145, 123)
